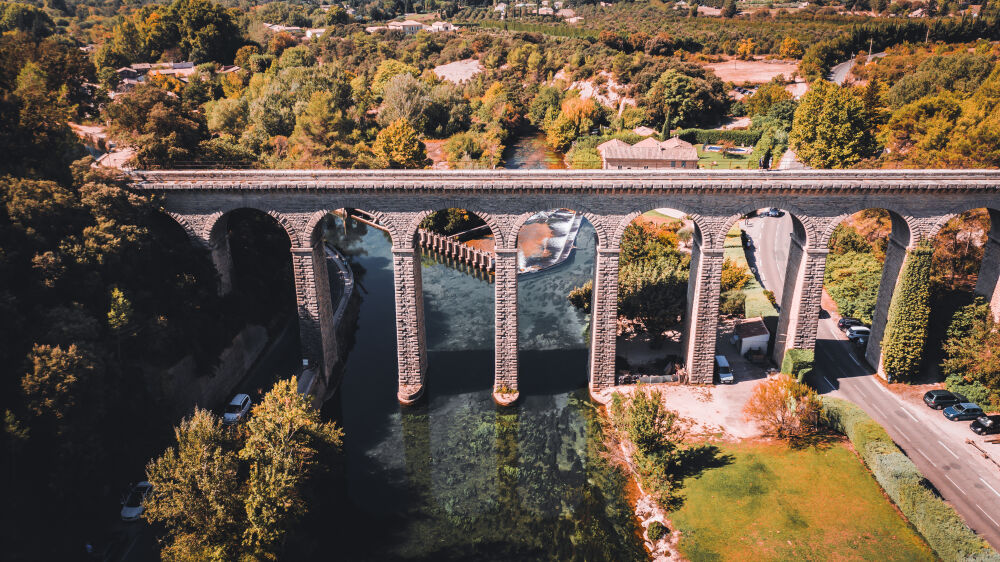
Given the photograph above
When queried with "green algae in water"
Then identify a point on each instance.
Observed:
(458, 478)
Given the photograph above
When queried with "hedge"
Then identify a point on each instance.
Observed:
(710, 136)
(798, 363)
(902, 481)
(906, 329)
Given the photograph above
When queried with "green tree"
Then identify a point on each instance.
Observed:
(906, 330)
(197, 493)
(654, 292)
(728, 9)
(322, 133)
(284, 437)
(397, 146)
(388, 69)
(832, 127)
(158, 126)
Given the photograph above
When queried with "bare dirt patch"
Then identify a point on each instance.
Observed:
(459, 71)
(484, 244)
(753, 71)
(435, 151)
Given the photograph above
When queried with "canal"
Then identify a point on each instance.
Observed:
(528, 150)
(457, 477)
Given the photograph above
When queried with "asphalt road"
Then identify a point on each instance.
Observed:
(967, 480)
(838, 74)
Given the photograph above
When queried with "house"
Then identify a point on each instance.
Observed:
(442, 26)
(501, 7)
(290, 29)
(574, 19)
(647, 154)
(751, 334)
(133, 75)
(546, 12)
(315, 33)
(408, 27)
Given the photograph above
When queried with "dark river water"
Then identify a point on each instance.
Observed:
(529, 151)
(457, 477)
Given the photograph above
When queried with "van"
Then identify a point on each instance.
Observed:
(723, 369)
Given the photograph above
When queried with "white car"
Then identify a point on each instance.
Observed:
(857, 332)
(237, 409)
(133, 504)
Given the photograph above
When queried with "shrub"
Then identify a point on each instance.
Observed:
(784, 407)
(656, 531)
(906, 330)
(936, 521)
(711, 136)
(735, 275)
(796, 361)
(732, 303)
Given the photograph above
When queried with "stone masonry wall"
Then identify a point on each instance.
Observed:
(604, 319)
(505, 347)
(920, 202)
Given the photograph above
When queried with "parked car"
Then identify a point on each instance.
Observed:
(847, 322)
(133, 505)
(237, 409)
(856, 332)
(940, 399)
(724, 370)
(963, 411)
(773, 212)
(986, 425)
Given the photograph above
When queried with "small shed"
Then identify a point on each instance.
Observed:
(751, 334)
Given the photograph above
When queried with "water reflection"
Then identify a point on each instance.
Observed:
(457, 477)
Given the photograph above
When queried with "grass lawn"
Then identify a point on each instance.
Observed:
(716, 161)
(757, 303)
(773, 502)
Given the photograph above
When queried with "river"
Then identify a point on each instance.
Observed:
(529, 151)
(457, 477)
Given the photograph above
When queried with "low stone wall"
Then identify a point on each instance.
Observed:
(180, 388)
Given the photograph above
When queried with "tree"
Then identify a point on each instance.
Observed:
(322, 133)
(654, 292)
(832, 127)
(388, 69)
(765, 97)
(972, 354)
(54, 377)
(906, 330)
(686, 97)
(784, 407)
(284, 437)
(790, 48)
(582, 297)
(728, 9)
(405, 97)
(746, 47)
(398, 147)
(233, 495)
(735, 276)
(197, 493)
(157, 125)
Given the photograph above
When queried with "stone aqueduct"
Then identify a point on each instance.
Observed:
(919, 201)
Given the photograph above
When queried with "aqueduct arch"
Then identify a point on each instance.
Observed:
(920, 200)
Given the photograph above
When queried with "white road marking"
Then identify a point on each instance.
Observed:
(988, 516)
(990, 487)
(907, 412)
(833, 388)
(855, 359)
(949, 450)
(896, 427)
(954, 484)
(929, 459)
(862, 392)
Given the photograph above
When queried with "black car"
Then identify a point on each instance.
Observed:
(847, 322)
(986, 425)
(940, 399)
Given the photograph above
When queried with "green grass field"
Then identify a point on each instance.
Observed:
(773, 502)
(757, 303)
(716, 161)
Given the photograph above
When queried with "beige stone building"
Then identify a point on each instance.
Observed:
(647, 154)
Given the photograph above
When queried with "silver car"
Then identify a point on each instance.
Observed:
(237, 409)
(134, 503)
